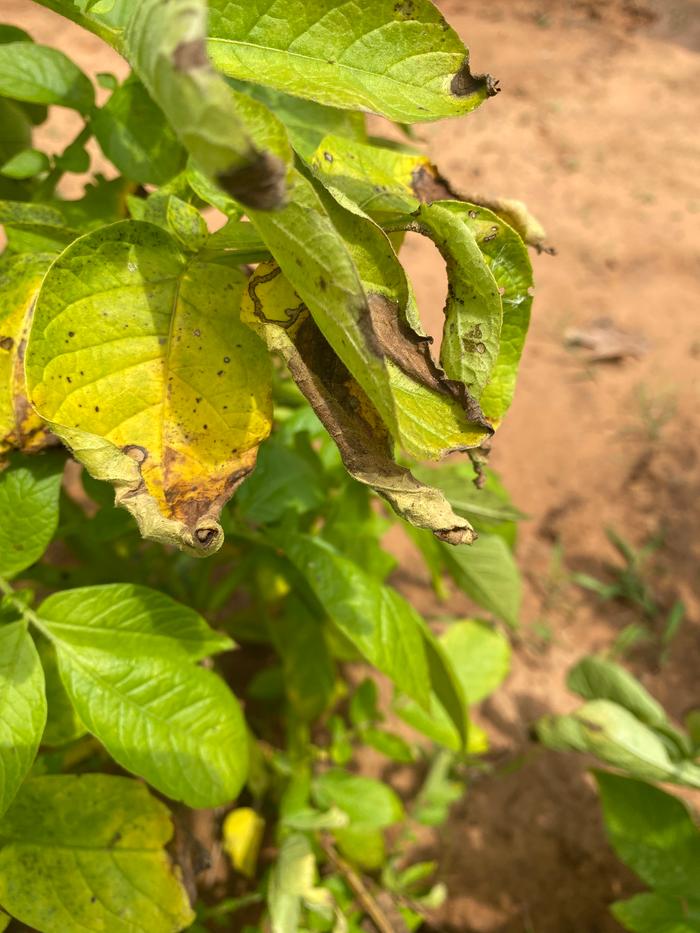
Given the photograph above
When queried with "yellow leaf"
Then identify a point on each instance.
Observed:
(242, 836)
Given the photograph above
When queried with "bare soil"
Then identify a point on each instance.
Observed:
(596, 129)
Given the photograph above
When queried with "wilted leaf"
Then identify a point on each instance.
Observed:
(29, 491)
(164, 42)
(343, 406)
(22, 708)
(398, 59)
(139, 361)
(42, 75)
(86, 852)
(20, 280)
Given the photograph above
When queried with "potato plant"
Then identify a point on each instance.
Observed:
(262, 396)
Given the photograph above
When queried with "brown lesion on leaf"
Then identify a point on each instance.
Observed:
(465, 84)
(28, 433)
(291, 314)
(429, 185)
(6, 343)
(260, 184)
(190, 55)
(390, 336)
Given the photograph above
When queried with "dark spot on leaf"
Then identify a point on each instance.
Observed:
(6, 343)
(190, 55)
(220, 372)
(139, 454)
(97, 407)
(197, 332)
(206, 536)
(465, 84)
(227, 359)
(327, 156)
(261, 184)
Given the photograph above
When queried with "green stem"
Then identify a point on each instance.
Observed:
(48, 185)
(70, 11)
(27, 614)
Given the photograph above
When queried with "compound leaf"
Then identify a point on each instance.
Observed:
(86, 852)
(398, 59)
(22, 708)
(140, 363)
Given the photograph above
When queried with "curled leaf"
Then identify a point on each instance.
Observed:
(274, 310)
(139, 361)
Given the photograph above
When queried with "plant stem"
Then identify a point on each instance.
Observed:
(27, 614)
(364, 896)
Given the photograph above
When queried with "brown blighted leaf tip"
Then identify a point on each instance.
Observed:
(465, 84)
(261, 184)
(456, 535)
(208, 536)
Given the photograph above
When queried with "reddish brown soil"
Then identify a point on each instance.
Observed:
(596, 129)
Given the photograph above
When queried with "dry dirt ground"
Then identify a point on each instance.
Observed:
(596, 129)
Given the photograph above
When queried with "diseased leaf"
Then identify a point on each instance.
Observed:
(178, 726)
(42, 75)
(21, 427)
(86, 852)
(130, 621)
(384, 628)
(242, 833)
(652, 832)
(136, 138)
(164, 42)
(139, 361)
(398, 59)
(22, 708)
(487, 573)
(29, 491)
(618, 738)
(272, 308)
(456, 480)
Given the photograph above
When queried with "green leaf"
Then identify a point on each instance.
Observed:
(287, 477)
(136, 138)
(364, 704)
(309, 675)
(25, 164)
(652, 832)
(42, 75)
(487, 573)
(177, 726)
(618, 738)
(86, 852)
(62, 722)
(29, 491)
(15, 131)
(130, 621)
(22, 708)
(20, 279)
(370, 804)
(398, 59)
(197, 102)
(456, 480)
(139, 361)
(389, 744)
(383, 627)
(479, 656)
(306, 121)
(599, 679)
(655, 913)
